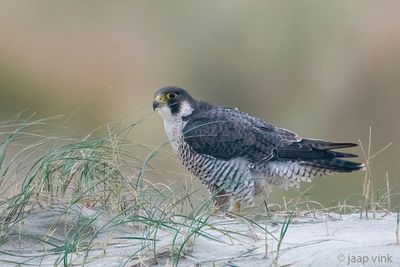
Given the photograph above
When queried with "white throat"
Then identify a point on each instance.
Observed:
(174, 124)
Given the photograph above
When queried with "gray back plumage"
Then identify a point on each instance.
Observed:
(228, 133)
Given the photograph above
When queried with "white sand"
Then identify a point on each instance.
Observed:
(323, 240)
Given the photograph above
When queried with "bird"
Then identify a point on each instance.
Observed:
(238, 156)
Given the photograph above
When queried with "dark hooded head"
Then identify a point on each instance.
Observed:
(173, 99)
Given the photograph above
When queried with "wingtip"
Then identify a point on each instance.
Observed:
(344, 145)
(326, 145)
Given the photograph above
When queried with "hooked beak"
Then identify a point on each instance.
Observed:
(159, 101)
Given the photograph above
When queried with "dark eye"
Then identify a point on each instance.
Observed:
(171, 96)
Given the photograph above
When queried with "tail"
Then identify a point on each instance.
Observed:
(332, 160)
(319, 155)
(335, 165)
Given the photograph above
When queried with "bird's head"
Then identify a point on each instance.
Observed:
(173, 102)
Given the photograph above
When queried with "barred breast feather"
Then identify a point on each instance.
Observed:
(233, 176)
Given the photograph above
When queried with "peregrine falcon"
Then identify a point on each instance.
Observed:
(237, 156)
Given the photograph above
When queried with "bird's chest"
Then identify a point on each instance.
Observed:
(173, 129)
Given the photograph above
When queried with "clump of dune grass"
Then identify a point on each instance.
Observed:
(284, 229)
(56, 169)
(370, 201)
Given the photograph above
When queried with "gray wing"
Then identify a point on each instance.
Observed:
(228, 133)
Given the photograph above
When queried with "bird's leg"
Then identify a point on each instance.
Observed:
(236, 207)
(221, 201)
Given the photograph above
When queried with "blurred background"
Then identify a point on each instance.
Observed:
(324, 69)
